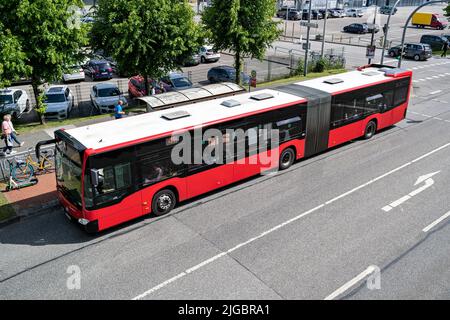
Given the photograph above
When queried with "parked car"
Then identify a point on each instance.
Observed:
(136, 86)
(99, 69)
(208, 54)
(338, 13)
(416, 51)
(294, 15)
(193, 60)
(328, 12)
(434, 41)
(59, 101)
(177, 81)
(14, 102)
(427, 19)
(372, 27)
(105, 96)
(356, 28)
(76, 74)
(315, 14)
(226, 74)
(387, 10)
(283, 11)
(354, 13)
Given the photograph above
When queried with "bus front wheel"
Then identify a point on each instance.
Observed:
(287, 158)
(163, 202)
(371, 128)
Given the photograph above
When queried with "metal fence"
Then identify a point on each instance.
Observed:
(282, 62)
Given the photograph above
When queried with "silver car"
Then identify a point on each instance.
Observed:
(14, 101)
(59, 101)
(105, 96)
(76, 74)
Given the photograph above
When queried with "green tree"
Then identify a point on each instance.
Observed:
(244, 27)
(145, 38)
(447, 11)
(12, 58)
(50, 35)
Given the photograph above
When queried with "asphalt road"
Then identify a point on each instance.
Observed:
(304, 233)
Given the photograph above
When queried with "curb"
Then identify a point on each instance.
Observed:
(30, 212)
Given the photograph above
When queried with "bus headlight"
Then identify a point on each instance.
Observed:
(83, 221)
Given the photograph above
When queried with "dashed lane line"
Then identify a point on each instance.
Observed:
(281, 225)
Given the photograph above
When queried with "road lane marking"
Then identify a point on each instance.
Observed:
(428, 183)
(351, 283)
(435, 223)
(287, 222)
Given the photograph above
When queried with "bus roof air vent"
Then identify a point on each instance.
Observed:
(333, 81)
(175, 115)
(261, 96)
(230, 103)
(371, 73)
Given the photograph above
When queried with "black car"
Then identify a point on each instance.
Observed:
(372, 27)
(225, 74)
(99, 69)
(328, 12)
(416, 51)
(446, 36)
(387, 10)
(356, 28)
(435, 42)
(315, 14)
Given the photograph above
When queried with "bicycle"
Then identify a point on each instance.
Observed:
(44, 163)
(19, 173)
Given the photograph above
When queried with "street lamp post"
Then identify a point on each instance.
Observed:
(305, 68)
(324, 28)
(387, 30)
(373, 27)
(406, 26)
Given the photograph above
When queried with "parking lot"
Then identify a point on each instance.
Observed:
(291, 29)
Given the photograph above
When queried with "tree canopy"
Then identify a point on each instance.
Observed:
(245, 28)
(12, 58)
(48, 35)
(143, 38)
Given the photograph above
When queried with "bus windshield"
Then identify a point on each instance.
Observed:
(68, 172)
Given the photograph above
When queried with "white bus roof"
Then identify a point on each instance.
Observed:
(128, 129)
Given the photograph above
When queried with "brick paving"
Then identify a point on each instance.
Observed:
(33, 197)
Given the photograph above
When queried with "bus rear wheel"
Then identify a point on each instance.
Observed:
(371, 128)
(163, 202)
(287, 158)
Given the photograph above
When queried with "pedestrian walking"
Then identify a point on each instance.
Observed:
(444, 49)
(153, 91)
(6, 137)
(14, 133)
(118, 110)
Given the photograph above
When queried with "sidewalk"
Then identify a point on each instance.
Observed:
(34, 199)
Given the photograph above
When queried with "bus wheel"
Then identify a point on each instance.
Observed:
(163, 202)
(371, 128)
(287, 158)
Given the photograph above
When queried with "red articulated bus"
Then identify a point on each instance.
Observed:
(112, 172)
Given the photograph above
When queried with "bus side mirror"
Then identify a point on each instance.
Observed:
(95, 177)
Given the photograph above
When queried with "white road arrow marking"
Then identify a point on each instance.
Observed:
(428, 183)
